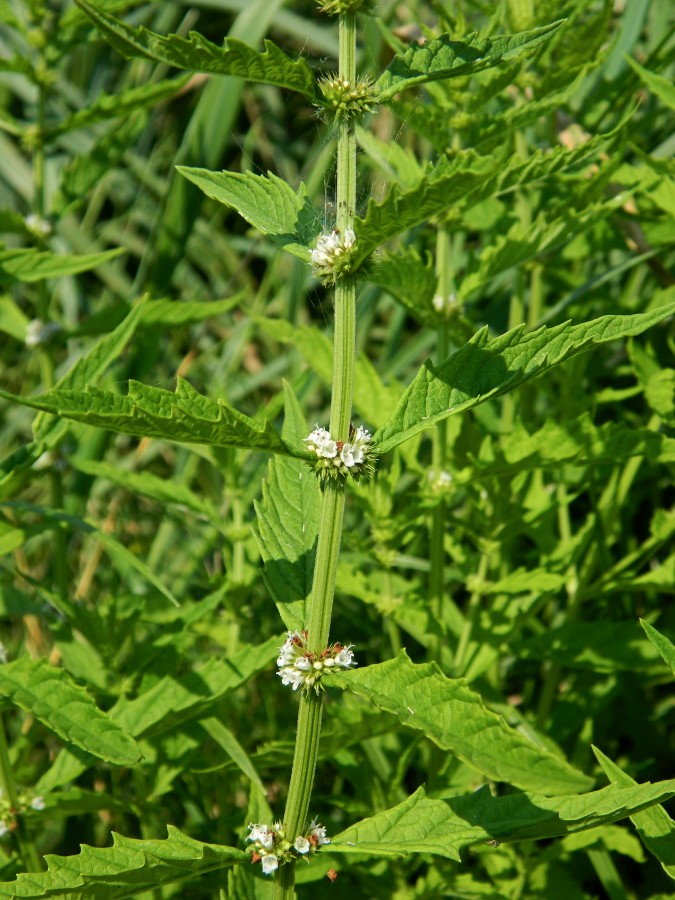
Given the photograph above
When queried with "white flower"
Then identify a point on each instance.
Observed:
(302, 845)
(269, 863)
(291, 675)
(321, 443)
(318, 832)
(330, 256)
(38, 333)
(262, 835)
(3, 653)
(345, 657)
(37, 803)
(445, 304)
(289, 651)
(303, 664)
(3, 828)
(37, 225)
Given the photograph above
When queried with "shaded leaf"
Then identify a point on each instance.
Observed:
(486, 368)
(288, 523)
(455, 718)
(65, 708)
(30, 265)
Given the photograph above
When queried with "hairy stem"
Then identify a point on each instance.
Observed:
(333, 502)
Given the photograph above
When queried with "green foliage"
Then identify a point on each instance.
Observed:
(513, 210)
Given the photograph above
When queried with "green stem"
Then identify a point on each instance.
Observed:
(333, 502)
(27, 848)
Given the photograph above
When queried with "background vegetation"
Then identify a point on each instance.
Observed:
(558, 523)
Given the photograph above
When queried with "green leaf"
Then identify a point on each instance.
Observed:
(127, 869)
(200, 55)
(174, 700)
(126, 102)
(455, 718)
(486, 368)
(422, 825)
(288, 523)
(411, 281)
(65, 708)
(146, 411)
(654, 825)
(30, 265)
(461, 180)
(267, 202)
(444, 58)
(596, 646)
(657, 84)
(662, 644)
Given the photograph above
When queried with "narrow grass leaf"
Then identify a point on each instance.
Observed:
(486, 368)
(288, 523)
(444, 58)
(654, 825)
(49, 694)
(455, 718)
(662, 644)
(127, 869)
(423, 825)
(198, 54)
(659, 86)
(30, 265)
(153, 412)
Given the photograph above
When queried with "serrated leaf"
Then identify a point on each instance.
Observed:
(443, 58)
(455, 718)
(460, 180)
(267, 202)
(663, 645)
(198, 54)
(486, 368)
(65, 708)
(423, 825)
(153, 412)
(30, 265)
(654, 825)
(288, 523)
(127, 869)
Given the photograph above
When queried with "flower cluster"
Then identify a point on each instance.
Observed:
(347, 99)
(37, 333)
(271, 848)
(37, 226)
(9, 813)
(331, 258)
(340, 458)
(303, 669)
(342, 7)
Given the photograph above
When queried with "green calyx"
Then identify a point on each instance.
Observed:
(347, 99)
(342, 7)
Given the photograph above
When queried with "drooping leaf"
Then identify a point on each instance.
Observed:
(423, 825)
(127, 869)
(444, 58)
(486, 368)
(654, 825)
(198, 54)
(153, 412)
(30, 265)
(455, 718)
(267, 202)
(662, 644)
(49, 694)
(288, 523)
